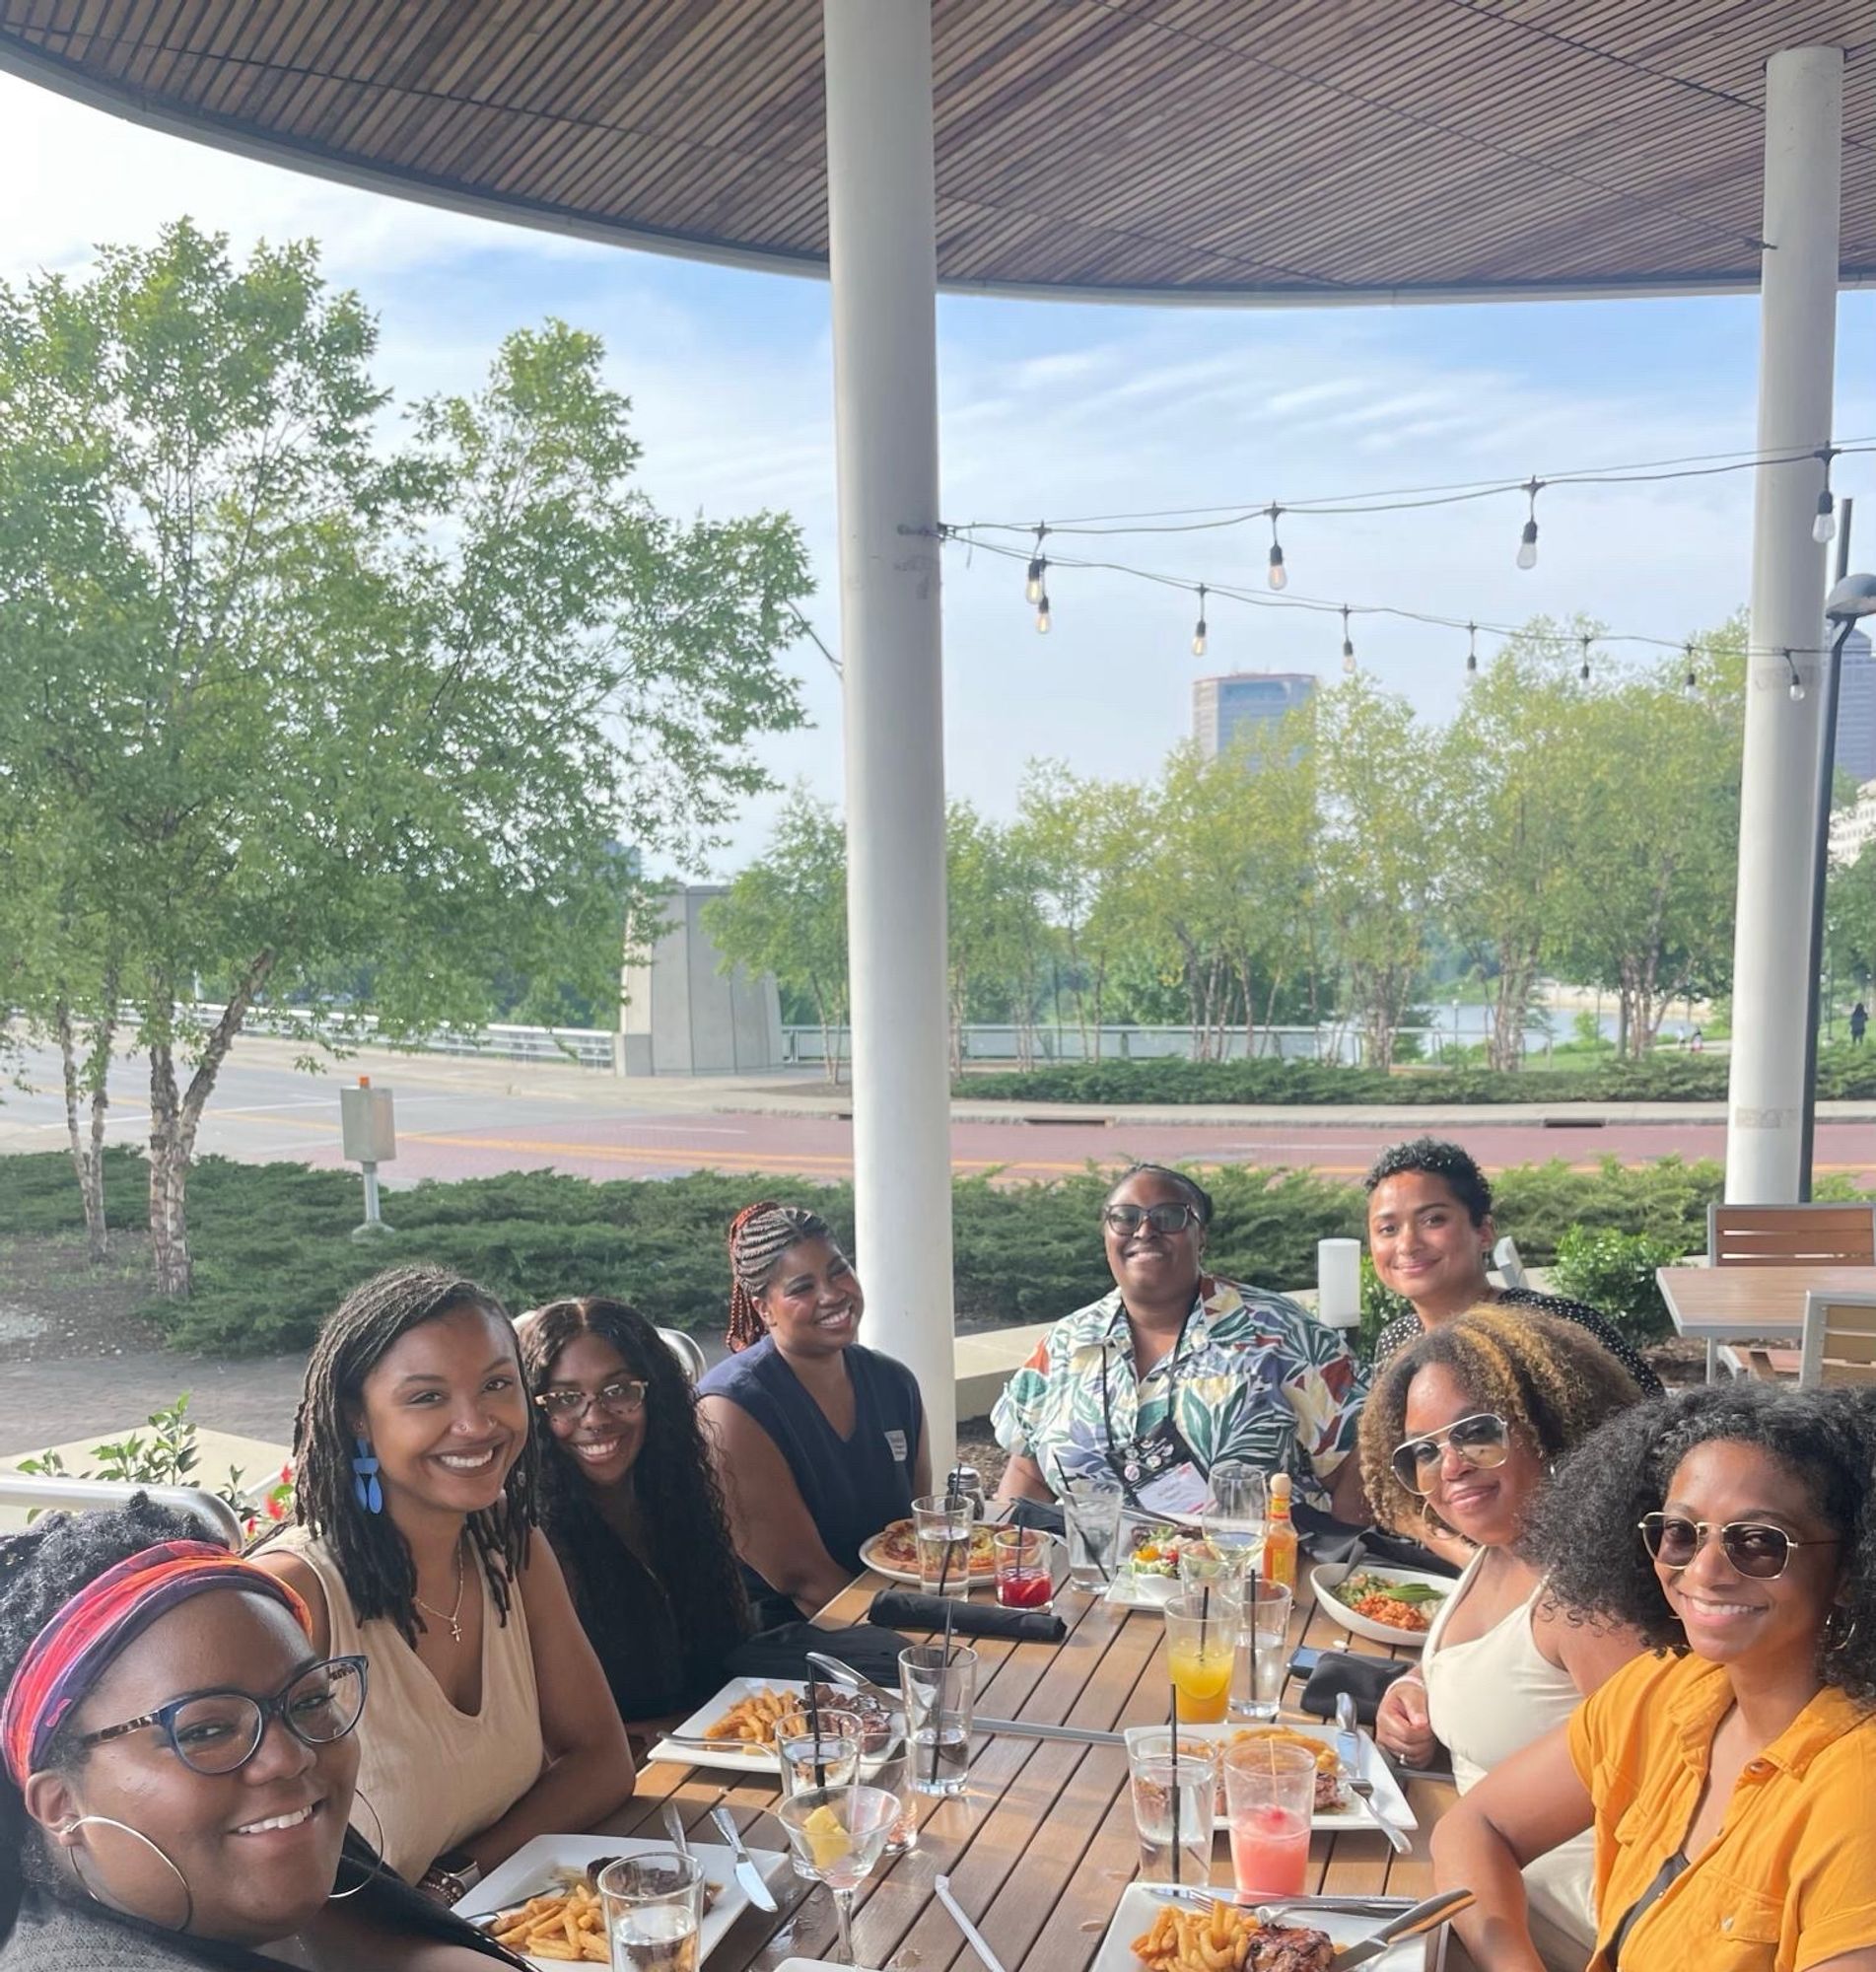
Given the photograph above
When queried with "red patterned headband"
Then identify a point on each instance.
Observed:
(68, 1656)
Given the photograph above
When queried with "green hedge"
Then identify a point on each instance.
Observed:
(1844, 1074)
(273, 1255)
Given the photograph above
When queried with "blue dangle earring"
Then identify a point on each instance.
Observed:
(365, 1490)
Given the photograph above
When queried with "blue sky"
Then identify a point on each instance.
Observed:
(1049, 409)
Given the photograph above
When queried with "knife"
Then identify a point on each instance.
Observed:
(1354, 1783)
(1271, 1910)
(674, 1828)
(1427, 1916)
(747, 1874)
(1024, 1728)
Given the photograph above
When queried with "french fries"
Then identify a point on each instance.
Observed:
(568, 1926)
(1192, 1941)
(751, 1720)
(1320, 1750)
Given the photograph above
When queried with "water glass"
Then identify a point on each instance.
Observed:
(817, 1753)
(1091, 1515)
(653, 1907)
(1236, 1509)
(1263, 1626)
(1221, 1572)
(942, 1524)
(939, 1692)
(1201, 1653)
(1269, 1795)
(1025, 1568)
(1155, 1772)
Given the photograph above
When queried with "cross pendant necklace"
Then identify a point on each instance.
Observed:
(452, 1618)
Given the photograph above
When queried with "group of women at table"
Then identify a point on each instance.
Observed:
(523, 1539)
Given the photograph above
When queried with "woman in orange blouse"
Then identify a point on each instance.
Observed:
(1729, 1776)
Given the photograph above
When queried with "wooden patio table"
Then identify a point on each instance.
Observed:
(1042, 1845)
(1715, 1305)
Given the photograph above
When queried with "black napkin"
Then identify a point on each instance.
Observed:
(1327, 1540)
(781, 1652)
(969, 1619)
(1364, 1678)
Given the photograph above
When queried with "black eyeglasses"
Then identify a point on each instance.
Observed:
(624, 1398)
(1484, 1441)
(220, 1731)
(1753, 1548)
(1168, 1218)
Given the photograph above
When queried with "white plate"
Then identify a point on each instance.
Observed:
(1138, 1906)
(1323, 1579)
(1370, 1762)
(1129, 1590)
(738, 1756)
(529, 1872)
(980, 1577)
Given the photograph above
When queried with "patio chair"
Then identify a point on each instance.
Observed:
(1784, 1236)
(27, 1491)
(688, 1352)
(1839, 1340)
(1511, 1266)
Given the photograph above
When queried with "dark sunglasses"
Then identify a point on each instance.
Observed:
(1484, 1441)
(220, 1731)
(1168, 1218)
(1750, 1546)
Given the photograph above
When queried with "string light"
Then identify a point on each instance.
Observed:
(1279, 575)
(1527, 545)
(1347, 644)
(1198, 629)
(1044, 621)
(1795, 689)
(1692, 678)
(1036, 587)
(1472, 653)
(1583, 672)
(1825, 525)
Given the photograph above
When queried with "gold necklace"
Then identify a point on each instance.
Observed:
(456, 1626)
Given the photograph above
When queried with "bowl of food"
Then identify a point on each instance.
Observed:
(1385, 1605)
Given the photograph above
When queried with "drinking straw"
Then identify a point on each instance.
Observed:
(814, 1728)
(1174, 1735)
(1205, 1618)
(1250, 1592)
(938, 1709)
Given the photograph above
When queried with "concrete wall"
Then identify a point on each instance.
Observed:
(683, 1015)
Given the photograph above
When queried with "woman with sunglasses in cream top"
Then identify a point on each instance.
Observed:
(1728, 1777)
(1459, 1438)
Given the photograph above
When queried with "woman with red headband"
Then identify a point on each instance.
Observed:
(181, 1766)
(819, 1442)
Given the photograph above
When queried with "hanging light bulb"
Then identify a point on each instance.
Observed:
(1198, 629)
(1347, 644)
(1795, 689)
(1279, 575)
(1527, 543)
(1584, 672)
(1043, 619)
(1471, 653)
(1038, 571)
(1692, 681)
(1825, 525)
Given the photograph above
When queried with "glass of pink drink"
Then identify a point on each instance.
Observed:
(1270, 1793)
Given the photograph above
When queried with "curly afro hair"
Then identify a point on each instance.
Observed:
(1454, 1167)
(40, 1571)
(1584, 1529)
(1551, 1380)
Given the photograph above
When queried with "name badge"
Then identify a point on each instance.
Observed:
(895, 1444)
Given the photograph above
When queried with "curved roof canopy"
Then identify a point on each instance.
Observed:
(1249, 151)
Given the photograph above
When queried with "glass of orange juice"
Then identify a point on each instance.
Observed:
(1201, 1653)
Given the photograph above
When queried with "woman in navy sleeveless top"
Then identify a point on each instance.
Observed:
(819, 1442)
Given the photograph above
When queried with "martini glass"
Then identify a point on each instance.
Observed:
(839, 1833)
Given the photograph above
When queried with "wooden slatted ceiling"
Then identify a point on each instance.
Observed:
(1257, 147)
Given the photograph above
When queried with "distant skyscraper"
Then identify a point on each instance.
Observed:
(1226, 711)
(1857, 710)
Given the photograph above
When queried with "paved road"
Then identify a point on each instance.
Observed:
(458, 1119)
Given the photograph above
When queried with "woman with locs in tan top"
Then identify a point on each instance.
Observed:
(417, 1542)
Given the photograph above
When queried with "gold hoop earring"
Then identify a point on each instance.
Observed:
(377, 1853)
(79, 1821)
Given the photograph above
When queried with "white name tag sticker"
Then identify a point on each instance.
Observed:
(895, 1444)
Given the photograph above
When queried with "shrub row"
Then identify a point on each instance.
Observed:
(273, 1255)
(1844, 1074)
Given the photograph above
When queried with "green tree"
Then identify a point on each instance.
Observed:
(787, 914)
(290, 694)
(1849, 920)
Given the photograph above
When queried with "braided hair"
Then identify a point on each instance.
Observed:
(40, 1570)
(759, 1234)
(674, 1476)
(371, 1554)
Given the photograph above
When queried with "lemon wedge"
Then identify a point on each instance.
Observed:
(827, 1840)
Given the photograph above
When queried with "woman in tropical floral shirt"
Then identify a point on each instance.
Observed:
(1175, 1371)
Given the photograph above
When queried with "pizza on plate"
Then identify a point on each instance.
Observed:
(897, 1546)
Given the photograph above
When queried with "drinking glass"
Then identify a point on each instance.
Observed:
(942, 1524)
(1200, 1651)
(817, 1753)
(939, 1692)
(1235, 1510)
(1091, 1514)
(1219, 1570)
(1263, 1626)
(1025, 1577)
(839, 1833)
(1155, 1771)
(653, 1908)
(1270, 1794)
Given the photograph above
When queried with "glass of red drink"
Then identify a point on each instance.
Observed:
(1024, 1575)
(1270, 1794)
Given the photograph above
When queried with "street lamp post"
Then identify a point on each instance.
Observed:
(1853, 599)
